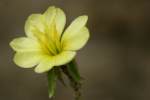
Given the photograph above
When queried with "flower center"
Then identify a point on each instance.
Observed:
(49, 40)
(52, 41)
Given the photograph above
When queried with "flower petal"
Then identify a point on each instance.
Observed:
(50, 15)
(55, 21)
(49, 62)
(45, 65)
(75, 26)
(76, 41)
(27, 59)
(23, 44)
(76, 34)
(60, 21)
(57, 17)
(63, 58)
(35, 25)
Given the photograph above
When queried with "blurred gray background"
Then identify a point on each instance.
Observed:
(115, 63)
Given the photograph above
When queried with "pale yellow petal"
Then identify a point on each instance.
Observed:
(48, 62)
(35, 25)
(55, 22)
(60, 21)
(27, 59)
(23, 44)
(45, 65)
(63, 58)
(76, 41)
(55, 17)
(75, 27)
(50, 15)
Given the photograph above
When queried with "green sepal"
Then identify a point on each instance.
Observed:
(51, 83)
(73, 71)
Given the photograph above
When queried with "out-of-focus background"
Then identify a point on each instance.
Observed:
(115, 63)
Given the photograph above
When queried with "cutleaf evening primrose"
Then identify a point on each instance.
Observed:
(47, 46)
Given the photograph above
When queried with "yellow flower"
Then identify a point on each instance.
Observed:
(46, 43)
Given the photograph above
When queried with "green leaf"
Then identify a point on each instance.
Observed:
(51, 82)
(73, 71)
